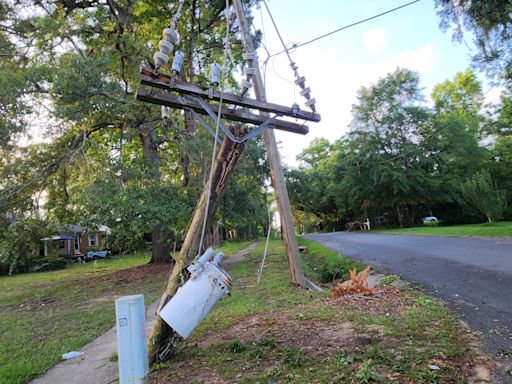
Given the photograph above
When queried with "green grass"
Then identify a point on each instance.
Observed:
(231, 247)
(14, 289)
(324, 264)
(266, 333)
(501, 229)
(43, 315)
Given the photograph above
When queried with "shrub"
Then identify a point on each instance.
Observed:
(20, 244)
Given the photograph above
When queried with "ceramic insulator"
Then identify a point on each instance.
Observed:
(215, 74)
(246, 84)
(165, 46)
(177, 62)
(160, 59)
(170, 35)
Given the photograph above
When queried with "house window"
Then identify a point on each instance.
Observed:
(93, 239)
(77, 244)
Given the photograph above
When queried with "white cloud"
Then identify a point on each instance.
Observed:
(375, 40)
(422, 60)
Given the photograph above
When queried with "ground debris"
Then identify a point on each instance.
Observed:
(358, 284)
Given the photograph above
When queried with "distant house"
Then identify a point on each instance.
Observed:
(74, 240)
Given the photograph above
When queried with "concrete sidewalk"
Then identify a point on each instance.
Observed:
(94, 367)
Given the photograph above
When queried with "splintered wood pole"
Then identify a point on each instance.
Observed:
(276, 170)
(227, 158)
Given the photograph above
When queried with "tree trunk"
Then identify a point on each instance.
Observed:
(399, 215)
(161, 335)
(149, 139)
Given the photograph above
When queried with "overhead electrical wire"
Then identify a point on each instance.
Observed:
(299, 45)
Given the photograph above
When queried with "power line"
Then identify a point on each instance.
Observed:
(295, 46)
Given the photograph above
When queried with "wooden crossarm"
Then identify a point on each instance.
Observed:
(160, 80)
(180, 102)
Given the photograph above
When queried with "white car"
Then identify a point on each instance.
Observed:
(429, 219)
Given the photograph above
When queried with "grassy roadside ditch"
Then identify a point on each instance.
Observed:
(275, 333)
(325, 265)
(46, 314)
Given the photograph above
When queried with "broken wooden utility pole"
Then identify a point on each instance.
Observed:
(170, 91)
(162, 338)
(276, 170)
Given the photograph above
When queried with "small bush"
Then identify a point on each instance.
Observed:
(49, 264)
(21, 242)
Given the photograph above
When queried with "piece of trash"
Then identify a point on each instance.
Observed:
(72, 355)
(434, 367)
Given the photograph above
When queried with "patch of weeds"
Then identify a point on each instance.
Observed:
(381, 355)
(343, 360)
(269, 342)
(295, 357)
(424, 301)
(388, 280)
(428, 375)
(273, 373)
(113, 357)
(366, 373)
(331, 272)
(158, 366)
(237, 347)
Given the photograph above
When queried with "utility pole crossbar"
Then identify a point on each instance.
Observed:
(243, 116)
(169, 83)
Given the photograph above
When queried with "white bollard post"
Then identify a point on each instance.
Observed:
(131, 340)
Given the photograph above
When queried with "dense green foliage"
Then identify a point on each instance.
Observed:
(482, 193)
(69, 73)
(490, 22)
(403, 160)
(20, 245)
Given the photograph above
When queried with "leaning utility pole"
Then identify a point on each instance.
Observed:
(276, 170)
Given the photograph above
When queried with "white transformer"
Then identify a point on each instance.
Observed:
(208, 283)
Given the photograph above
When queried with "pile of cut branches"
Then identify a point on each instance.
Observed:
(358, 284)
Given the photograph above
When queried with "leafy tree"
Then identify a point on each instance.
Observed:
(388, 167)
(490, 21)
(243, 208)
(455, 141)
(20, 244)
(482, 193)
(310, 187)
(82, 62)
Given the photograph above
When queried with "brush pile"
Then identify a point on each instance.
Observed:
(357, 285)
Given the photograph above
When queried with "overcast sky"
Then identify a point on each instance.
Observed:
(337, 66)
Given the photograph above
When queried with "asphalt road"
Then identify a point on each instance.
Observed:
(472, 275)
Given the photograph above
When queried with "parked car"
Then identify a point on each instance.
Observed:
(92, 255)
(429, 219)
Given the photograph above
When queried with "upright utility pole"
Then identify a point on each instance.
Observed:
(276, 170)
